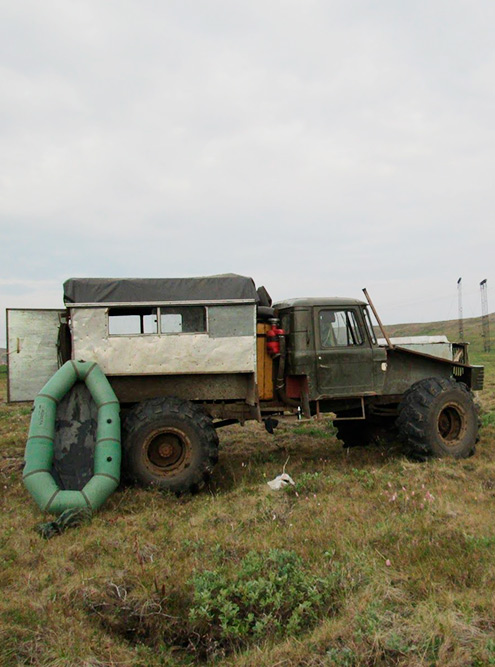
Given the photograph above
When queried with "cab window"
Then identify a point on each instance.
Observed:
(339, 328)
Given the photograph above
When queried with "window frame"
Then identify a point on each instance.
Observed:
(182, 333)
(132, 311)
(349, 328)
(369, 326)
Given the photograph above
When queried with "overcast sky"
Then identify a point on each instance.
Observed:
(317, 146)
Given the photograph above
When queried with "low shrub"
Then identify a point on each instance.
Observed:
(270, 595)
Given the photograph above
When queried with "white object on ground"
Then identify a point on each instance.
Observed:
(280, 481)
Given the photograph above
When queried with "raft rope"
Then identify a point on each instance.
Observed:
(68, 519)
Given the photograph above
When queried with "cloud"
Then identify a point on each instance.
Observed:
(317, 147)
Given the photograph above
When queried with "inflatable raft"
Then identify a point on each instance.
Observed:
(40, 444)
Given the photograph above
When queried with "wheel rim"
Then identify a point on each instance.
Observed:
(167, 451)
(452, 424)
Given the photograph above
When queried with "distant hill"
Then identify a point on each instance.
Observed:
(3, 355)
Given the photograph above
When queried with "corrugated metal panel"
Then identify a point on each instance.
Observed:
(32, 351)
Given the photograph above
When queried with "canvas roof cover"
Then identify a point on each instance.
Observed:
(226, 287)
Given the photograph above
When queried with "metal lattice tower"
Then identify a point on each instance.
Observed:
(459, 301)
(485, 322)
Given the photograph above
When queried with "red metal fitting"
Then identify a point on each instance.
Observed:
(273, 340)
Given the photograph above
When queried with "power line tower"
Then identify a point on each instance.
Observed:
(459, 301)
(485, 322)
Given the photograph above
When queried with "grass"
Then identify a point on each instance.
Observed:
(370, 559)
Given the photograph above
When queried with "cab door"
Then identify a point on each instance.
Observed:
(344, 357)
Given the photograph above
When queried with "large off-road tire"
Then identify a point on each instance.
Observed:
(438, 417)
(169, 443)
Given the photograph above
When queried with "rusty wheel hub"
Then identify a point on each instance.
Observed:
(167, 451)
(452, 424)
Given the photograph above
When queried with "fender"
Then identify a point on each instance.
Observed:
(39, 451)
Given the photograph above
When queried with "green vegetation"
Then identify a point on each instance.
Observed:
(269, 594)
(370, 559)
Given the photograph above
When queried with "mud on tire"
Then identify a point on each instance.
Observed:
(438, 417)
(169, 443)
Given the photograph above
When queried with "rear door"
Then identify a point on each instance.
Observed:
(32, 351)
(344, 357)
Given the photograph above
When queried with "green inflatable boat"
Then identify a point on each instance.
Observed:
(40, 444)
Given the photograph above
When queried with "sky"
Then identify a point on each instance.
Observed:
(318, 146)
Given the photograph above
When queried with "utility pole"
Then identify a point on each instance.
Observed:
(485, 322)
(459, 301)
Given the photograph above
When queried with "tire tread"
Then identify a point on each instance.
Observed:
(414, 413)
(147, 411)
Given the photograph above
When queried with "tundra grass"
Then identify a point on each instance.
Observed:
(370, 559)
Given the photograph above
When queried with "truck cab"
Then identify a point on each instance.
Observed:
(334, 362)
(332, 342)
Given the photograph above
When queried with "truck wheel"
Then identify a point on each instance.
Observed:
(169, 443)
(438, 417)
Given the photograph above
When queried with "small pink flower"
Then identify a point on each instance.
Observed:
(388, 563)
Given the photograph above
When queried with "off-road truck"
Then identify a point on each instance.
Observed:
(188, 356)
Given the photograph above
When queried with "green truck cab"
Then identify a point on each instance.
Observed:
(334, 361)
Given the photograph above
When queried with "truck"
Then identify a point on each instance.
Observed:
(188, 356)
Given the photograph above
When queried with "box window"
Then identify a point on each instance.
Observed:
(184, 319)
(144, 320)
(132, 321)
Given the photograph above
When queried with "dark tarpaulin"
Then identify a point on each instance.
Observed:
(224, 287)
